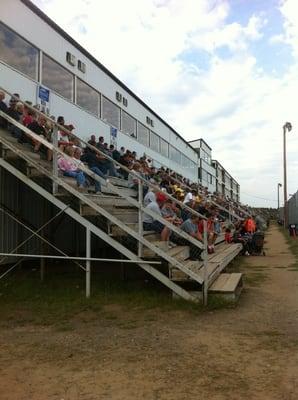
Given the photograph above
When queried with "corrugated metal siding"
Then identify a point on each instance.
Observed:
(34, 210)
(293, 209)
(9, 230)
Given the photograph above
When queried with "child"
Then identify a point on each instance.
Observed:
(228, 236)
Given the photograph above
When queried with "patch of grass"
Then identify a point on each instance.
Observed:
(64, 327)
(25, 299)
(255, 278)
(218, 302)
(293, 245)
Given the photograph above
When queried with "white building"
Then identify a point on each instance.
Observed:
(206, 171)
(45, 65)
(226, 185)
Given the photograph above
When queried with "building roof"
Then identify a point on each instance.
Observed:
(66, 36)
(202, 140)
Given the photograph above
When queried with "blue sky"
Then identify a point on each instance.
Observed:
(224, 70)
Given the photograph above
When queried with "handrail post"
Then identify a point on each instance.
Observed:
(88, 263)
(205, 265)
(55, 158)
(140, 198)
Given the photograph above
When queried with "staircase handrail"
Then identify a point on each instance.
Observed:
(123, 167)
(99, 179)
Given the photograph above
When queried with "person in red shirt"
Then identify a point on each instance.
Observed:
(28, 116)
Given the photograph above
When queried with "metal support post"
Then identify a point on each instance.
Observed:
(140, 198)
(55, 158)
(285, 179)
(88, 262)
(42, 269)
(205, 265)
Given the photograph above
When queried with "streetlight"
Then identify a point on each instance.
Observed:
(279, 185)
(287, 127)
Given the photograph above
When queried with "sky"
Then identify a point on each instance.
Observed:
(223, 70)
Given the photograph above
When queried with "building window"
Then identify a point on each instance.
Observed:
(154, 141)
(110, 112)
(210, 179)
(164, 148)
(204, 175)
(175, 155)
(128, 124)
(18, 53)
(57, 78)
(143, 134)
(87, 97)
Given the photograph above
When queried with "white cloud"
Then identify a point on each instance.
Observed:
(233, 104)
(289, 9)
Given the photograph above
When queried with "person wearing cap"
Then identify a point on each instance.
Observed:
(151, 224)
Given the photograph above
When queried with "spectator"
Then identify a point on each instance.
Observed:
(70, 167)
(38, 127)
(115, 153)
(3, 108)
(100, 144)
(17, 114)
(150, 224)
(190, 226)
(63, 136)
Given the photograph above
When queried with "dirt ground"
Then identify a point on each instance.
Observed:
(247, 352)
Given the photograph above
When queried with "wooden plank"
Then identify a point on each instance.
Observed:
(220, 282)
(233, 281)
(227, 283)
(148, 253)
(125, 215)
(119, 182)
(109, 202)
(120, 190)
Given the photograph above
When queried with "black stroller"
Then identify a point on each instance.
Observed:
(256, 244)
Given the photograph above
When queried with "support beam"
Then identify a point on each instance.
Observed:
(88, 263)
(205, 265)
(102, 235)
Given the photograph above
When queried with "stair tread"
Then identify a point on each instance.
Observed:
(226, 282)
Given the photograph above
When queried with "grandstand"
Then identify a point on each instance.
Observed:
(67, 81)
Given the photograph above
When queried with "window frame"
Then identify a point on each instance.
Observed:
(38, 60)
(54, 90)
(76, 97)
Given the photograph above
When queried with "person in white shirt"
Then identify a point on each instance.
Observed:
(190, 195)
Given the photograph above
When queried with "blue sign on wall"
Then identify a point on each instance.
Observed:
(113, 132)
(44, 94)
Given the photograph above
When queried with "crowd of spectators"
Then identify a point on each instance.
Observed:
(215, 208)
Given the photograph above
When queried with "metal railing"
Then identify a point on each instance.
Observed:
(136, 203)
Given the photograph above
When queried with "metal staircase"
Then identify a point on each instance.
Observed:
(115, 216)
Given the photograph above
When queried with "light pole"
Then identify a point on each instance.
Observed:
(279, 185)
(287, 127)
